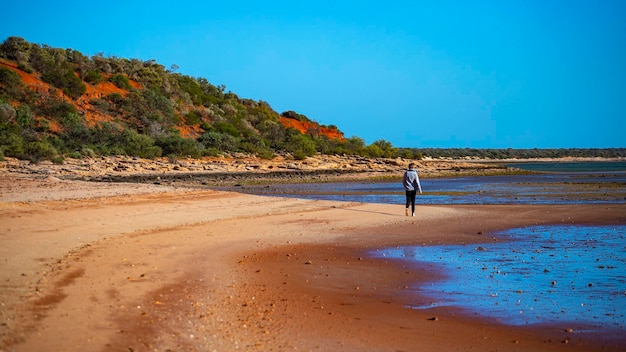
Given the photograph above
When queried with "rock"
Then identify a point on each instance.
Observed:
(52, 179)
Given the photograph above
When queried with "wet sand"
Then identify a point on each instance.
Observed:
(125, 267)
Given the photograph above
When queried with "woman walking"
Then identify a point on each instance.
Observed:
(411, 183)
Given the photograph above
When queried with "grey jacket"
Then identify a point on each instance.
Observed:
(411, 181)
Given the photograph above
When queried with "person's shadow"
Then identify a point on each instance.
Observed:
(366, 211)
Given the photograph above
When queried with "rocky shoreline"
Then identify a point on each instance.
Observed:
(135, 266)
(242, 169)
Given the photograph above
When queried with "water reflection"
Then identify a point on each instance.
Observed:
(560, 188)
(540, 274)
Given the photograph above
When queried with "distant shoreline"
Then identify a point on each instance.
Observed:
(252, 170)
(546, 160)
(239, 169)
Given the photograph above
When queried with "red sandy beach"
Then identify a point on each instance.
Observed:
(138, 267)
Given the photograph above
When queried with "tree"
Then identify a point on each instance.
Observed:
(374, 151)
(301, 146)
(386, 148)
(355, 145)
(16, 49)
(294, 115)
(217, 140)
(143, 146)
(175, 145)
(273, 132)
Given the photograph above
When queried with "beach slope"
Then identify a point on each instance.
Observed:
(130, 267)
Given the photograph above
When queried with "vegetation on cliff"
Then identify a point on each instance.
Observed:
(57, 103)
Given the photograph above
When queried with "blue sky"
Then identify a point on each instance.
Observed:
(469, 74)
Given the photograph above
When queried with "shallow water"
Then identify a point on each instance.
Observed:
(578, 166)
(536, 275)
(552, 188)
(533, 275)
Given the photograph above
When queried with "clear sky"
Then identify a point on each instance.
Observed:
(476, 74)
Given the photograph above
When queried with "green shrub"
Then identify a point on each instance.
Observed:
(299, 154)
(116, 99)
(87, 152)
(55, 108)
(192, 87)
(227, 128)
(210, 152)
(24, 117)
(24, 67)
(15, 48)
(355, 145)
(266, 153)
(405, 153)
(10, 83)
(58, 160)
(11, 140)
(72, 120)
(140, 145)
(93, 76)
(43, 125)
(75, 133)
(38, 151)
(294, 115)
(175, 145)
(7, 113)
(121, 81)
(248, 147)
(301, 146)
(274, 132)
(64, 78)
(205, 126)
(193, 118)
(374, 151)
(217, 140)
(386, 149)
(157, 101)
(100, 104)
